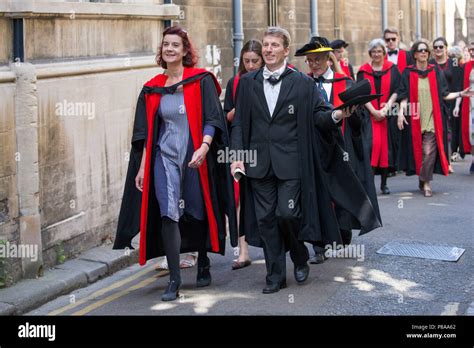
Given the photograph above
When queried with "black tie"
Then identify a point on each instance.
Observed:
(391, 53)
(320, 80)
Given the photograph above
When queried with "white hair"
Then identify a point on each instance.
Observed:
(377, 43)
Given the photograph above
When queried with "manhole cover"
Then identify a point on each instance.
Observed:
(422, 251)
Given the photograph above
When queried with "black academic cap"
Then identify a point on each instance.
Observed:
(358, 94)
(338, 44)
(316, 45)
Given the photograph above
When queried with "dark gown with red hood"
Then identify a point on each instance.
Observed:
(140, 212)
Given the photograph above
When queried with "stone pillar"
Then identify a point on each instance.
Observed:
(26, 125)
(470, 20)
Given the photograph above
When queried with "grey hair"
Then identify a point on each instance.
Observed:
(279, 32)
(455, 51)
(376, 43)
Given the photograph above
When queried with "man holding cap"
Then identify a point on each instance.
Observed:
(332, 84)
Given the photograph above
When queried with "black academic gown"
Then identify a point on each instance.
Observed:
(220, 183)
(453, 73)
(326, 178)
(353, 141)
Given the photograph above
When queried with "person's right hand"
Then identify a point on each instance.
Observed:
(139, 179)
(230, 115)
(235, 165)
(401, 121)
(456, 112)
(378, 116)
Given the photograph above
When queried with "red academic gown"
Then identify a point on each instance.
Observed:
(411, 151)
(383, 133)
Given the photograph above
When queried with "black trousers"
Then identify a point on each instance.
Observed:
(278, 212)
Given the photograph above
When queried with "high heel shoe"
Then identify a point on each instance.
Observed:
(204, 275)
(172, 291)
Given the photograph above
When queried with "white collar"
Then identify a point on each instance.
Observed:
(328, 74)
(276, 73)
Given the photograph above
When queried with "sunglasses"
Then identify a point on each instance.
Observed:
(422, 50)
(438, 47)
(471, 49)
(393, 39)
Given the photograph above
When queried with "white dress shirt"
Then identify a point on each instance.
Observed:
(394, 57)
(272, 91)
(328, 75)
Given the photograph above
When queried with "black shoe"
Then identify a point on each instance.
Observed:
(203, 278)
(172, 291)
(472, 169)
(385, 190)
(318, 258)
(270, 289)
(301, 273)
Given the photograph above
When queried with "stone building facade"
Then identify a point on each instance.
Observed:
(68, 94)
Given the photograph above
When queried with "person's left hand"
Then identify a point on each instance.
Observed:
(199, 156)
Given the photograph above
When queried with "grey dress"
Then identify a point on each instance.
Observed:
(177, 186)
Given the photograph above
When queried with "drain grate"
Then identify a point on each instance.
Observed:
(422, 251)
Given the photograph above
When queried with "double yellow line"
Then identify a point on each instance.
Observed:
(110, 298)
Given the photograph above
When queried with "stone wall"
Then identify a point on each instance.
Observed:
(66, 119)
(209, 22)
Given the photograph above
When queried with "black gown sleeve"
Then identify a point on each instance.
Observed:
(236, 125)
(229, 98)
(128, 224)
(442, 83)
(403, 90)
(394, 80)
(140, 125)
(211, 105)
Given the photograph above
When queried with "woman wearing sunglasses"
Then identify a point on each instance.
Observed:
(424, 143)
(452, 72)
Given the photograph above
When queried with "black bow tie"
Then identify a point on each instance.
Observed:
(273, 80)
(391, 53)
(319, 79)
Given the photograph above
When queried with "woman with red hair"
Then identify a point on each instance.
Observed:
(180, 127)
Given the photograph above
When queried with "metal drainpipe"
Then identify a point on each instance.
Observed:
(437, 19)
(238, 37)
(168, 22)
(418, 20)
(18, 40)
(384, 15)
(314, 18)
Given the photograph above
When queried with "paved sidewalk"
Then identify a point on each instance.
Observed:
(88, 268)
